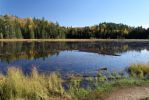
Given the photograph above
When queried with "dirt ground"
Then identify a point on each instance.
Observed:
(135, 93)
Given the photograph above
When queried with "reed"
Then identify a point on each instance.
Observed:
(15, 85)
(139, 70)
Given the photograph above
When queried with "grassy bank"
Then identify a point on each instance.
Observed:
(72, 40)
(15, 85)
(101, 86)
(139, 70)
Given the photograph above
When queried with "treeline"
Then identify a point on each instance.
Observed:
(12, 27)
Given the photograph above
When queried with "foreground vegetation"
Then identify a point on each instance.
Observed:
(15, 85)
(12, 27)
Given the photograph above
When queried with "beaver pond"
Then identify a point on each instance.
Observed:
(73, 57)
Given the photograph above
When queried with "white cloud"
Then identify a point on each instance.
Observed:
(145, 26)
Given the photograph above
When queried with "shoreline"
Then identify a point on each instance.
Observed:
(72, 40)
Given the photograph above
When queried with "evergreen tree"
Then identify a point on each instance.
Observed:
(28, 28)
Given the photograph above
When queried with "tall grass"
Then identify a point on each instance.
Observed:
(139, 70)
(15, 85)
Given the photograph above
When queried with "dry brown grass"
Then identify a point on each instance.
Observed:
(71, 40)
(15, 85)
(139, 70)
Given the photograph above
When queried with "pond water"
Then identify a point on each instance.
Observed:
(72, 57)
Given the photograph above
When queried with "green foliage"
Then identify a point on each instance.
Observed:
(101, 77)
(75, 89)
(102, 90)
(28, 28)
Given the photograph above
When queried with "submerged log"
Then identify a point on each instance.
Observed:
(104, 69)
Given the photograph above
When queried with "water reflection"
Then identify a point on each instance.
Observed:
(76, 57)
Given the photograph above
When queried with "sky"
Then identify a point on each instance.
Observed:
(79, 13)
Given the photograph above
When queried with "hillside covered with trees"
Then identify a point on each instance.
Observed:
(12, 27)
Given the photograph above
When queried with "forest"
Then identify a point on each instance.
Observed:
(13, 27)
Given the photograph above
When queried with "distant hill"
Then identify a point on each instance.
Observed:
(12, 27)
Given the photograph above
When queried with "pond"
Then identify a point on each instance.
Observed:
(72, 57)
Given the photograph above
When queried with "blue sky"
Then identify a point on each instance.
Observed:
(81, 12)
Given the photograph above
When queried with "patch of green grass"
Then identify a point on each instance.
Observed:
(102, 85)
(101, 91)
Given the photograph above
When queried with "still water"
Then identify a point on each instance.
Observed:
(72, 57)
